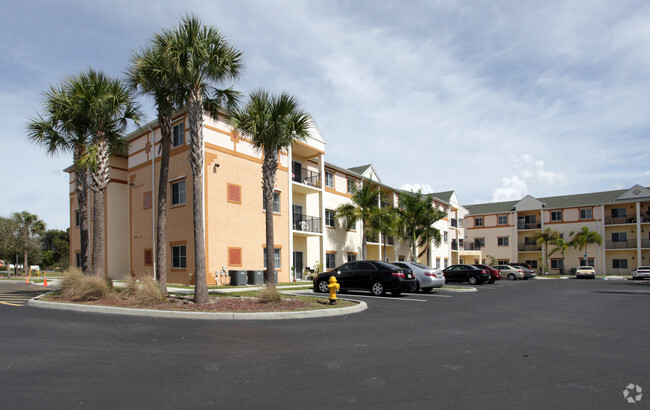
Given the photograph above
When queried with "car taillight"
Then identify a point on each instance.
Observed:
(430, 274)
(398, 274)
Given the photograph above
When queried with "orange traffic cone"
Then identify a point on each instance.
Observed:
(45, 282)
(26, 279)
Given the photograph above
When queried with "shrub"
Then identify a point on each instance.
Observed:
(78, 287)
(269, 294)
(149, 292)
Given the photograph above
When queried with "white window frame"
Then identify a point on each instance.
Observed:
(178, 182)
(329, 179)
(178, 135)
(179, 261)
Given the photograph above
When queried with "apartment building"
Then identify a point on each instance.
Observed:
(504, 230)
(308, 191)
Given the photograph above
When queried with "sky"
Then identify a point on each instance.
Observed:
(492, 99)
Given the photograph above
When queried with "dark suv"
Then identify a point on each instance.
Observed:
(375, 276)
(466, 273)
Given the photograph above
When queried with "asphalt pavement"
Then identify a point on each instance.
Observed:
(523, 344)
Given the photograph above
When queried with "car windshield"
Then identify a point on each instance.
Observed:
(419, 265)
(386, 266)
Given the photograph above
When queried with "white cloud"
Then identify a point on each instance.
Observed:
(426, 188)
(511, 188)
(527, 172)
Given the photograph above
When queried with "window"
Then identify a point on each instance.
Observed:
(234, 194)
(329, 218)
(437, 263)
(276, 202)
(557, 264)
(148, 257)
(77, 218)
(351, 186)
(503, 241)
(585, 213)
(503, 220)
(146, 200)
(460, 222)
(619, 236)
(446, 263)
(78, 259)
(556, 215)
(478, 221)
(619, 212)
(590, 262)
(234, 257)
(178, 192)
(533, 264)
(619, 263)
(276, 256)
(329, 179)
(330, 260)
(352, 226)
(401, 258)
(179, 259)
(178, 134)
(480, 242)
(446, 236)
(352, 257)
(503, 261)
(460, 243)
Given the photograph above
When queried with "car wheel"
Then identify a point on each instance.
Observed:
(377, 289)
(396, 292)
(322, 286)
(512, 276)
(491, 281)
(472, 280)
(415, 288)
(426, 290)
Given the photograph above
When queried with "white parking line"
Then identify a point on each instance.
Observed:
(348, 295)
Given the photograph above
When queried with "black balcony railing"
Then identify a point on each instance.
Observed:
(306, 223)
(619, 220)
(472, 246)
(307, 177)
(529, 247)
(645, 243)
(372, 238)
(629, 244)
(529, 225)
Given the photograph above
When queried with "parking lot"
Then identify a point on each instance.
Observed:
(524, 344)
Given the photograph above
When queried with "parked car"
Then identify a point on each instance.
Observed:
(511, 272)
(495, 275)
(586, 272)
(641, 272)
(466, 273)
(375, 276)
(426, 278)
(528, 272)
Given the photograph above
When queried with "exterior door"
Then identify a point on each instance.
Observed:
(296, 169)
(297, 218)
(297, 264)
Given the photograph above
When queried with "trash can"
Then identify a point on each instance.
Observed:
(237, 277)
(255, 277)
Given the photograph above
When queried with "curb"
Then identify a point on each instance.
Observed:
(175, 314)
(460, 290)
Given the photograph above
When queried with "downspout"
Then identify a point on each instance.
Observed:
(153, 195)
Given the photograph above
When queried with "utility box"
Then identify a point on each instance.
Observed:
(237, 277)
(255, 277)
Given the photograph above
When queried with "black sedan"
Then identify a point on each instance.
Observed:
(466, 273)
(375, 276)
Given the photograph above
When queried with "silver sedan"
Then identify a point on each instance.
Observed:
(426, 278)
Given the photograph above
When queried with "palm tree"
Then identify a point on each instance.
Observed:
(544, 238)
(583, 238)
(200, 57)
(151, 74)
(106, 105)
(60, 132)
(418, 217)
(560, 246)
(365, 203)
(28, 226)
(273, 124)
(387, 221)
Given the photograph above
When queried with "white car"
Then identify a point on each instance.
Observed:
(586, 272)
(426, 278)
(641, 272)
(511, 272)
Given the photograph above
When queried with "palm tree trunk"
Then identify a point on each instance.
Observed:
(25, 264)
(195, 116)
(164, 119)
(81, 187)
(100, 180)
(268, 184)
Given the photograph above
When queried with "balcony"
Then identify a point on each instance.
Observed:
(306, 177)
(620, 220)
(645, 243)
(454, 245)
(305, 223)
(529, 225)
(454, 223)
(629, 244)
(529, 247)
(472, 246)
(372, 238)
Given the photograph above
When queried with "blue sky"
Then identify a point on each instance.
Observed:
(493, 99)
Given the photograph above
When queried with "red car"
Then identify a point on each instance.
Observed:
(494, 273)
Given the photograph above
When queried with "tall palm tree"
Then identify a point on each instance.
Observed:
(151, 74)
(543, 238)
(200, 57)
(364, 205)
(418, 217)
(273, 124)
(28, 226)
(560, 246)
(387, 221)
(107, 106)
(583, 238)
(59, 132)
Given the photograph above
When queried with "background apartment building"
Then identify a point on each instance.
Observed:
(504, 230)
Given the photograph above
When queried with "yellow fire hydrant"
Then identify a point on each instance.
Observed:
(333, 287)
